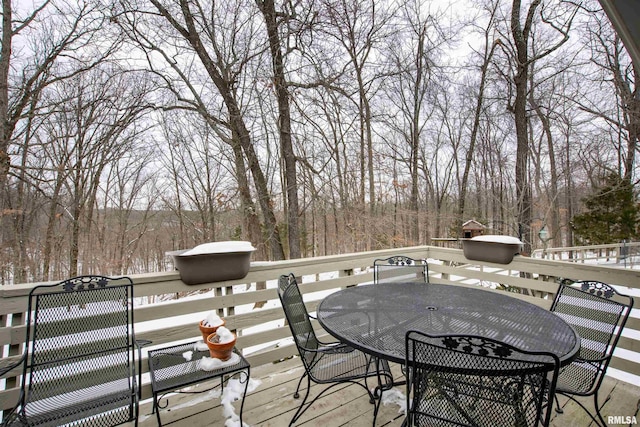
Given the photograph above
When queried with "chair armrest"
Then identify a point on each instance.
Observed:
(139, 344)
(6, 365)
(331, 348)
(142, 343)
(598, 360)
(339, 348)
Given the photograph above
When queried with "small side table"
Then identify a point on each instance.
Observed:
(170, 372)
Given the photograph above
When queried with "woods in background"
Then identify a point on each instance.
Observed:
(130, 128)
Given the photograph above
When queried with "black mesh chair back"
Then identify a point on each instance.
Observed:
(400, 268)
(598, 313)
(298, 319)
(462, 380)
(78, 365)
(330, 363)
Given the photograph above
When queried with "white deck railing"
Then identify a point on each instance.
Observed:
(623, 254)
(250, 305)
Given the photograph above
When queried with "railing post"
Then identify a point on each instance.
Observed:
(260, 286)
(448, 263)
(17, 319)
(232, 309)
(218, 293)
(345, 273)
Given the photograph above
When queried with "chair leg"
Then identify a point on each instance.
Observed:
(595, 404)
(558, 408)
(373, 395)
(388, 384)
(584, 408)
(135, 409)
(296, 395)
(304, 405)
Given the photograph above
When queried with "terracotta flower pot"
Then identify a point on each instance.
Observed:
(220, 351)
(208, 330)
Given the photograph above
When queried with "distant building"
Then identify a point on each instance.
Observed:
(472, 228)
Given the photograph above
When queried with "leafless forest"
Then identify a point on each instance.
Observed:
(308, 127)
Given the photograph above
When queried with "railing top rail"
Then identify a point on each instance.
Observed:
(589, 247)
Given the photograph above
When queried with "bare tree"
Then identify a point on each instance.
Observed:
(57, 40)
(359, 27)
(488, 48)
(171, 29)
(204, 190)
(127, 203)
(622, 80)
(267, 7)
(328, 160)
(559, 18)
(91, 129)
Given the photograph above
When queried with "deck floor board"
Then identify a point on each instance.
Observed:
(271, 404)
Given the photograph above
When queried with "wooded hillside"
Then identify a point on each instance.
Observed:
(310, 127)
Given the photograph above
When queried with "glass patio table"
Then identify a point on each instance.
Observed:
(375, 318)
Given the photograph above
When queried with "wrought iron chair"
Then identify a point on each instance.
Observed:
(78, 366)
(400, 268)
(598, 313)
(466, 380)
(326, 363)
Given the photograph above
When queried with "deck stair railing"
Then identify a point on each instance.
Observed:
(624, 254)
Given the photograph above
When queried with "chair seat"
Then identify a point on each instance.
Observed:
(578, 377)
(332, 366)
(113, 403)
(457, 400)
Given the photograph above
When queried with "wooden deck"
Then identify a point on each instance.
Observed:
(271, 404)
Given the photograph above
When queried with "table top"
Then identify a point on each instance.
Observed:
(171, 370)
(375, 318)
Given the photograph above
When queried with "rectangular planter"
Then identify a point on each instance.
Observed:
(491, 248)
(213, 262)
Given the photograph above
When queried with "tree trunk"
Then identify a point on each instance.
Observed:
(553, 200)
(266, 205)
(521, 81)
(248, 208)
(236, 122)
(284, 120)
(474, 130)
(5, 61)
(420, 65)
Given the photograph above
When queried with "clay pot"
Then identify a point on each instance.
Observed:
(208, 330)
(220, 351)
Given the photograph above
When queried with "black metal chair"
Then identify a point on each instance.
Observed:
(466, 380)
(326, 363)
(400, 268)
(598, 313)
(78, 366)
